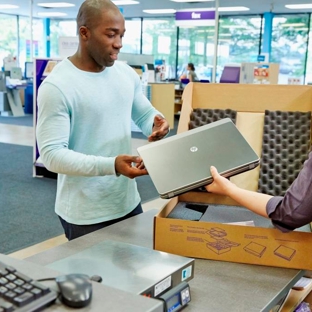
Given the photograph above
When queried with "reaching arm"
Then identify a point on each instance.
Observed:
(287, 212)
(254, 201)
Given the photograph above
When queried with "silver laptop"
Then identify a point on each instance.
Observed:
(181, 163)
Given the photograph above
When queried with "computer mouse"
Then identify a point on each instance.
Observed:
(96, 278)
(75, 289)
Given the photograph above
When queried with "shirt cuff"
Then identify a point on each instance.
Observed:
(107, 166)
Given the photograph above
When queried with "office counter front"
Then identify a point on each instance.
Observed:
(216, 286)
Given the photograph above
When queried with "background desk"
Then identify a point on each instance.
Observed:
(14, 99)
(217, 286)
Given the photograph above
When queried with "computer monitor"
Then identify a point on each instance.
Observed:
(29, 70)
(150, 66)
(16, 73)
(230, 74)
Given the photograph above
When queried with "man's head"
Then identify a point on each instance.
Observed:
(101, 27)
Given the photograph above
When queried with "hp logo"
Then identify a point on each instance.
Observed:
(193, 149)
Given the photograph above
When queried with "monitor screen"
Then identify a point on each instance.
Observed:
(230, 74)
(150, 66)
(29, 70)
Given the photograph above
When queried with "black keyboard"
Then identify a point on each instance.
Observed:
(20, 293)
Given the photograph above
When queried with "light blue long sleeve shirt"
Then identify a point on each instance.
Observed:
(84, 123)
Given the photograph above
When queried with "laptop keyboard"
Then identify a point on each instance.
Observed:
(20, 293)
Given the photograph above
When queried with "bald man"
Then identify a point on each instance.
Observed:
(85, 107)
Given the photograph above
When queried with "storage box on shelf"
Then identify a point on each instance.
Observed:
(253, 244)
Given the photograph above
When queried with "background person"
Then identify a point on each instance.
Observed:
(85, 107)
(191, 74)
(287, 212)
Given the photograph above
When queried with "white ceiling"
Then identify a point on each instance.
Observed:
(130, 11)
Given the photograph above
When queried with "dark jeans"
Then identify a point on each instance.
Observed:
(73, 231)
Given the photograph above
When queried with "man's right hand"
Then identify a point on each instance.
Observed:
(130, 166)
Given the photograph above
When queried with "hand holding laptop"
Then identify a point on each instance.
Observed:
(253, 201)
(219, 185)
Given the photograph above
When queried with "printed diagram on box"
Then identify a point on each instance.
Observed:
(220, 244)
(284, 252)
(258, 250)
(255, 249)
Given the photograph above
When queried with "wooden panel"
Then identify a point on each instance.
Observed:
(251, 98)
(163, 95)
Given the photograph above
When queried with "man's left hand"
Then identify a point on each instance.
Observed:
(160, 128)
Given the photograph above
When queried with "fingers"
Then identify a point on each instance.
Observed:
(156, 136)
(158, 119)
(140, 165)
(213, 171)
(160, 129)
(124, 164)
(136, 159)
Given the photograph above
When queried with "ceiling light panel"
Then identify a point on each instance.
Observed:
(8, 6)
(221, 9)
(51, 14)
(192, 0)
(161, 11)
(233, 9)
(56, 4)
(125, 2)
(299, 6)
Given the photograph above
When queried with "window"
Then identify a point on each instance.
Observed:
(239, 40)
(196, 46)
(308, 77)
(60, 28)
(9, 37)
(25, 39)
(131, 41)
(289, 45)
(159, 39)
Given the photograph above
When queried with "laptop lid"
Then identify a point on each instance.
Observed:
(182, 162)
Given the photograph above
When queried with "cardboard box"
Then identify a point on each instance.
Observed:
(295, 297)
(308, 298)
(236, 243)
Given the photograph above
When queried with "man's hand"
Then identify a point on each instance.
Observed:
(124, 165)
(160, 129)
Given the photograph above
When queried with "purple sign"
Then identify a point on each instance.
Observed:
(195, 15)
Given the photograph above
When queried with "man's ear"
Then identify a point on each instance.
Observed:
(84, 32)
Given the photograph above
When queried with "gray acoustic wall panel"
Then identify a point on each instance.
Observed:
(203, 116)
(285, 146)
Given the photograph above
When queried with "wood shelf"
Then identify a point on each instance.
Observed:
(177, 100)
